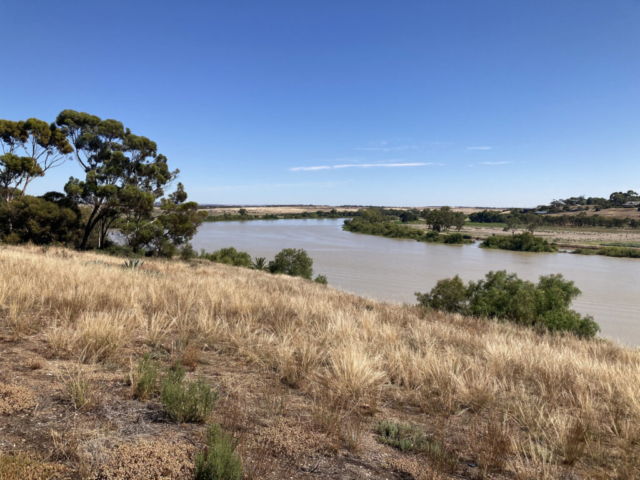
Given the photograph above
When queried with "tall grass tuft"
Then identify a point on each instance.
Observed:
(186, 401)
(218, 461)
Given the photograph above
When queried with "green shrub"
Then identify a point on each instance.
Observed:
(144, 378)
(187, 253)
(523, 242)
(620, 252)
(259, 263)
(407, 437)
(449, 295)
(506, 297)
(228, 256)
(294, 262)
(52, 218)
(132, 264)
(390, 229)
(219, 460)
(186, 401)
(322, 279)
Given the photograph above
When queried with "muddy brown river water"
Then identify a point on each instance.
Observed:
(392, 270)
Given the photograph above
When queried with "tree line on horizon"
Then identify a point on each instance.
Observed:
(122, 177)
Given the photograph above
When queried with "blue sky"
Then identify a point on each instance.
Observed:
(466, 102)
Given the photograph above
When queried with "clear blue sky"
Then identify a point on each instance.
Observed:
(465, 102)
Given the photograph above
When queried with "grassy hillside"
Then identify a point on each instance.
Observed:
(312, 382)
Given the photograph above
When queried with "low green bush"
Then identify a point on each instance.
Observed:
(523, 242)
(186, 401)
(294, 262)
(228, 256)
(322, 279)
(504, 296)
(407, 437)
(144, 378)
(620, 252)
(390, 229)
(187, 253)
(218, 461)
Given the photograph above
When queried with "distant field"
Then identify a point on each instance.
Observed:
(609, 212)
(282, 209)
(485, 225)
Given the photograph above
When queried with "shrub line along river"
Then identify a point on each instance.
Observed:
(392, 270)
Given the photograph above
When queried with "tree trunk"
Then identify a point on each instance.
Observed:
(91, 223)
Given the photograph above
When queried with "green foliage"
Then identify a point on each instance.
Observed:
(486, 216)
(259, 263)
(39, 220)
(294, 262)
(124, 173)
(187, 253)
(144, 378)
(45, 146)
(449, 295)
(227, 217)
(392, 230)
(407, 437)
(186, 401)
(504, 296)
(228, 256)
(443, 218)
(219, 460)
(322, 279)
(620, 252)
(524, 242)
(132, 264)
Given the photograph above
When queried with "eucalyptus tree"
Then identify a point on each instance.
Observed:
(29, 149)
(124, 173)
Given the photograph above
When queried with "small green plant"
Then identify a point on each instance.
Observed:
(186, 401)
(187, 253)
(407, 437)
(143, 378)
(259, 263)
(132, 264)
(322, 279)
(228, 256)
(218, 461)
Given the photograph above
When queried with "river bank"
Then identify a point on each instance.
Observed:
(563, 237)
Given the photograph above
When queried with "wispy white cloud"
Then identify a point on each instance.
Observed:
(363, 165)
(254, 186)
(495, 163)
(369, 165)
(321, 167)
(388, 149)
(480, 148)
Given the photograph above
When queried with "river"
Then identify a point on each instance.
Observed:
(392, 270)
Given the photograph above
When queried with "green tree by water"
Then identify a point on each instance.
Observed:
(504, 296)
(294, 262)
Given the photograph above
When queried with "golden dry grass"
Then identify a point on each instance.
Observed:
(526, 405)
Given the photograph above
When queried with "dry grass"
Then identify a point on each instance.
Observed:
(24, 467)
(15, 399)
(522, 404)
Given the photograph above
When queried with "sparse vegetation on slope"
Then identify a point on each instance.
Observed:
(305, 372)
